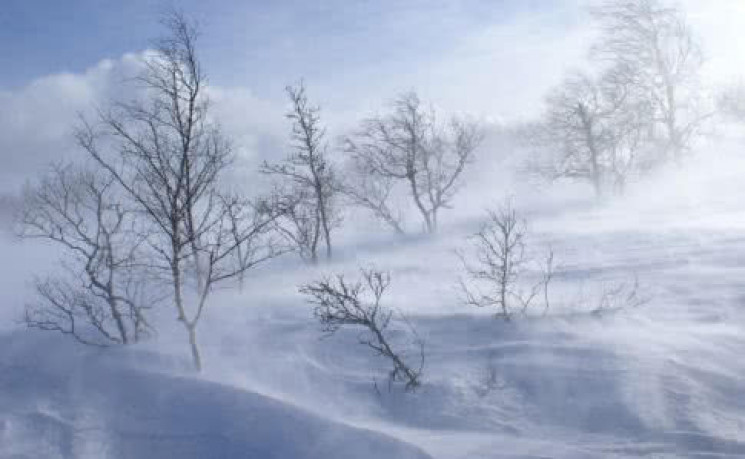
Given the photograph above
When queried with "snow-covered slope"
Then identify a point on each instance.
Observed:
(62, 402)
(666, 379)
(662, 380)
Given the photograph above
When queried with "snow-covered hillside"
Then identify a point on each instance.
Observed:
(662, 380)
(61, 402)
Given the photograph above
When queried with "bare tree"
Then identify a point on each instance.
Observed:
(341, 303)
(597, 129)
(309, 184)
(409, 146)
(629, 150)
(100, 298)
(167, 155)
(575, 121)
(494, 278)
(654, 45)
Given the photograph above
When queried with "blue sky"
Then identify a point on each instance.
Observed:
(245, 42)
(60, 58)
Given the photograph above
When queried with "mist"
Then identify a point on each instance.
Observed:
(557, 243)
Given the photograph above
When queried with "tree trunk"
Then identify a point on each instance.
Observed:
(119, 320)
(326, 229)
(195, 355)
(179, 302)
(419, 204)
(587, 126)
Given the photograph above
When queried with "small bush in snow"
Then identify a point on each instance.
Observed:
(340, 303)
(619, 296)
(494, 277)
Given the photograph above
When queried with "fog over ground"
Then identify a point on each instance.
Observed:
(661, 379)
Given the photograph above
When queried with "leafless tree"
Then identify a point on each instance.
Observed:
(340, 303)
(575, 121)
(167, 155)
(409, 146)
(99, 298)
(308, 185)
(494, 278)
(659, 54)
(629, 150)
(597, 129)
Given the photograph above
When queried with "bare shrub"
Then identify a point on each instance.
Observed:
(495, 277)
(619, 296)
(339, 303)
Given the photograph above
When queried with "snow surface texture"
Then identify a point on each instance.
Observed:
(72, 404)
(663, 380)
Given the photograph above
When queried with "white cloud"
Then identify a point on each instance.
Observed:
(37, 121)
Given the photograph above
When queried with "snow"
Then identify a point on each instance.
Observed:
(72, 403)
(662, 380)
